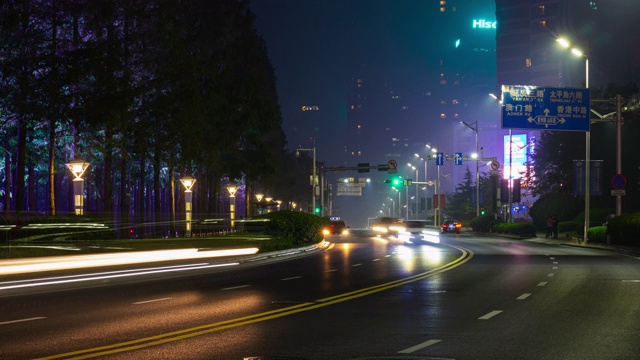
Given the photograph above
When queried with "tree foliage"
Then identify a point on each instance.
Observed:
(146, 91)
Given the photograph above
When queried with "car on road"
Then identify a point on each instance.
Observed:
(418, 231)
(386, 226)
(451, 226)
(336, 226)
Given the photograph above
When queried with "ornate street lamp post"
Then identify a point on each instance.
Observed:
(77, 168)
(259, 197)
(232, 204)
(188, 182)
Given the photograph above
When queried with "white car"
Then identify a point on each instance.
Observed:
(418, 231)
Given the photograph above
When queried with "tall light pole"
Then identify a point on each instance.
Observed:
(313, 175)
(187, 182)
(587, 167)
(475, 129)
(417, 179)
(77, 168)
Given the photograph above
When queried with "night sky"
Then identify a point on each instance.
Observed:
(317, 46)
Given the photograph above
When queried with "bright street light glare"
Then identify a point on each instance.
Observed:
(563, 42)
(576, 52)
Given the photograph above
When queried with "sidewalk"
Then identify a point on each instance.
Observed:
(577, 242)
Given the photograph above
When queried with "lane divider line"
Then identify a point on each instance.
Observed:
(235, 287)
(292, 278)
(523, 296)
(22, 320)
(150, 301)
(490, 315)
(419, 346)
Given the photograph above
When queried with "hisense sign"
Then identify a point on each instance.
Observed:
(484, 24)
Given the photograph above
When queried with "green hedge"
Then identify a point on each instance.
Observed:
(294, 227)
(484, 223)
(522, 230)
(624, 229)
(597, 234)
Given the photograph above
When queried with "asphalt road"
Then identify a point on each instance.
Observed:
(363, 297)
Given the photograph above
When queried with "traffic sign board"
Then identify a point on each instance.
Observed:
(393, 166)
(495, 165)
(440, 159)
(618, 181)
(457, 158)
(617, 192)
(539, 108)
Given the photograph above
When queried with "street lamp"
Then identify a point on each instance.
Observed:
(187, 182)
(259, 197)
(232, 204)
(268, 200)
(587, 167)
(278, 202)
(313, 176)
(475, 129)
(77, 168)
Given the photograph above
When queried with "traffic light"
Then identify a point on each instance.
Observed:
(395, 181)
(317, 210)
(483, 211)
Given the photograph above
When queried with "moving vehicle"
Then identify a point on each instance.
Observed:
(451, 226)
(387, 226)
(418, 231)
(336, 226)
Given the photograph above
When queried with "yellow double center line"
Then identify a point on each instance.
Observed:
(255, 318)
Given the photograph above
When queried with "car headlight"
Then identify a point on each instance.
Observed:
(381, 229)
(326, 232)
(432, 236)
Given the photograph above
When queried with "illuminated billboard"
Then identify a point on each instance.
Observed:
(516, 167)
(483, 24)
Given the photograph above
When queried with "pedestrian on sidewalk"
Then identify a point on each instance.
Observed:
(549, 233)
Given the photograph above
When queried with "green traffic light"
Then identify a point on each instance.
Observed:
(317, 210)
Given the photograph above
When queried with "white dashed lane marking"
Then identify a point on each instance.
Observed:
(490, 315)
(523, 296)
(150, 301)
(419, 346)
(236, 287)
(291, 278)
(21, 320)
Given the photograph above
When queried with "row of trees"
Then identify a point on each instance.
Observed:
(146, 91)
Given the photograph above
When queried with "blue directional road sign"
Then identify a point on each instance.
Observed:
(457, 158)
(552, 108)
(440, 159)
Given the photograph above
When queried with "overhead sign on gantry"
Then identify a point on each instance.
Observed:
(545, 108)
